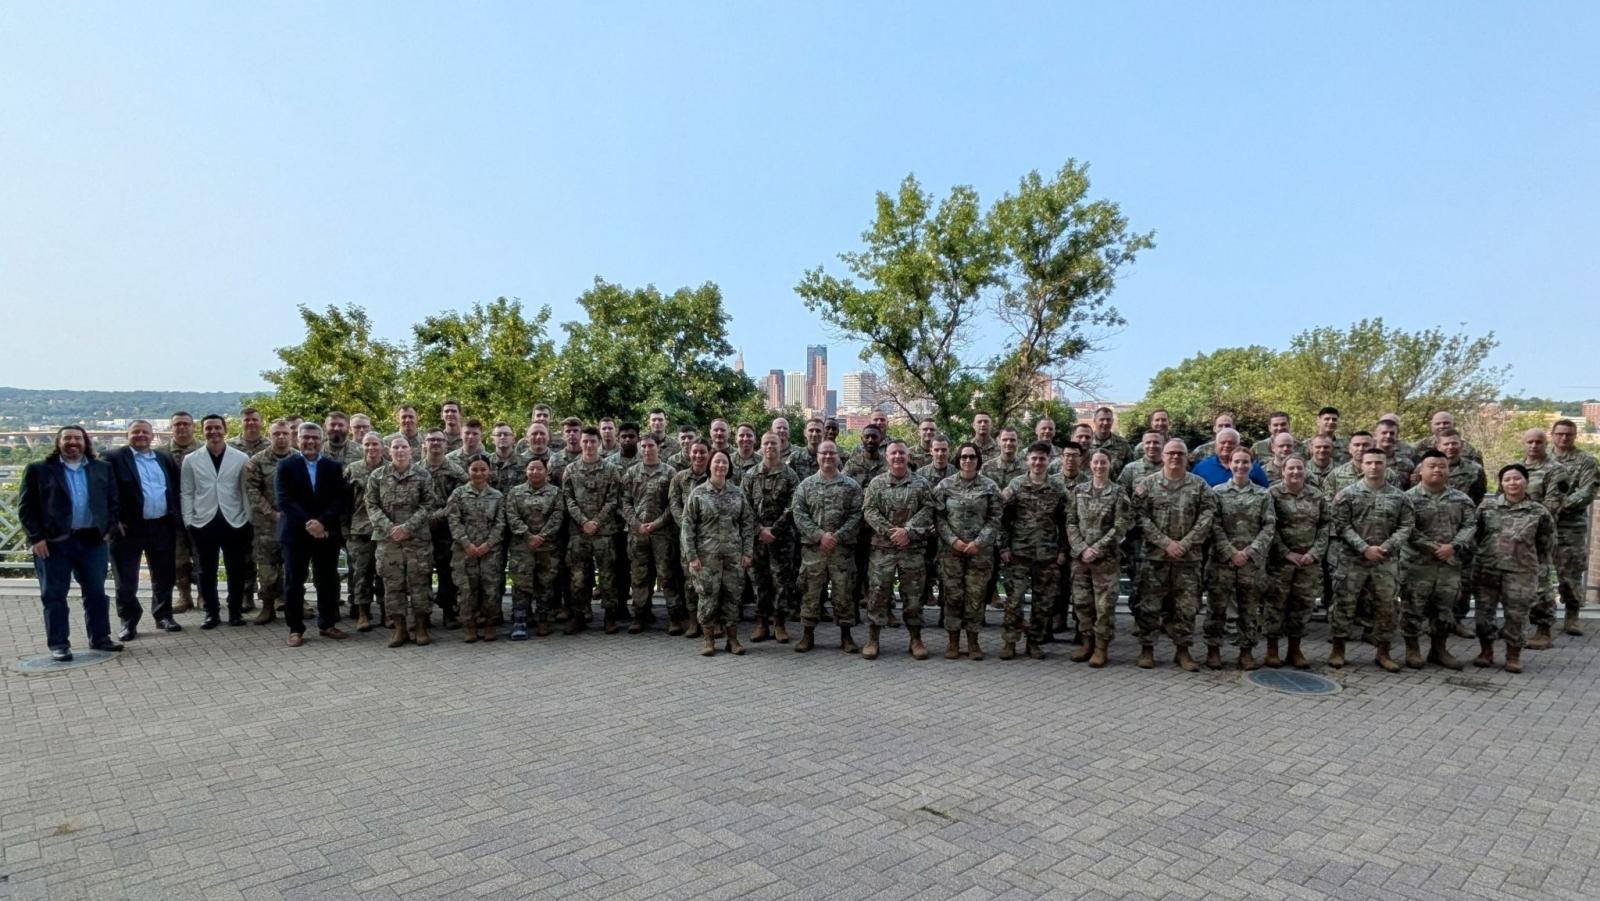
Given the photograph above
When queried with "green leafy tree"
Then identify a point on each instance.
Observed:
(931, 276)
(641, 349)
(492, 359)
(1236, 380)
(339, 366)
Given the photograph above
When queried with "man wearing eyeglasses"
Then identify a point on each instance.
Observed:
(1175, 509)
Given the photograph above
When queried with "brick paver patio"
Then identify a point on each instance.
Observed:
(225, 765)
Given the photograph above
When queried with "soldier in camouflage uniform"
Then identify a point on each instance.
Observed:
(938, 468)
(1098, 516)
(1516, 538)
(718, 544)
(863, 466)
(252, 437)
(827, 515)
(400, 501)
(535, 513)
(680, 460)
(1209, 448)
(1242, 532)
(1320, 463)
(967, 510)
(447, 477)
(652, 538)
(1399, 465)
(1444, 421)
(1103, 438)
(507, 468)
(1549, 483)
(1266, 448)
(476, 513)
(592, 489)
(692, 476)
(260, 483)
(657, 422)
(1000, 469)
(770, 488)
(1033, 546)
(1572, 544)
(1302, 518)
(921, 453)
(1279, 449)
(450, 416)
(1374, 520)
(182, 445)
(570, 450)
(1068, 467)
(406, 415)
(803, 459)
(1175, 509)
(983, 438)
(471, 446)
(359, 546)
(1445, 523)
(1149, 462)
(898, 508)
(1328, 427)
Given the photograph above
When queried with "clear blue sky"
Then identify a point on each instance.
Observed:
(175, 178)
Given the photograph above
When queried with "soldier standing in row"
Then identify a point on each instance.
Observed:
(1301, 517)
(1241, 538)
(1098, 515)
(447, 477)
(1440, 542)
(683, 482)
(1175, 509)
(1516, 539)
(593, 492)
(534, 516)
(182, 445)
(1374, 520)
(400, 500)
(718, 542)
(260, 482)
(770, 486)
(652, 540)
(1033, 548)
(827, 516)
(898, 507)
(359, 547)
(476, 513)
(1572, 543)
(967, 509)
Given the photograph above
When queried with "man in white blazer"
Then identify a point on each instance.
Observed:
(217, 514)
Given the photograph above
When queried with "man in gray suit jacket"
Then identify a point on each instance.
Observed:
(218, 516)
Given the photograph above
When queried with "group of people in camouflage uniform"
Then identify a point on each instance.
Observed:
(1381, 533)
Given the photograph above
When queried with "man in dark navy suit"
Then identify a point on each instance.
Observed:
(148, 524)
(68, 506)
(311, 496)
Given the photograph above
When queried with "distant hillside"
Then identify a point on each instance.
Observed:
(21, 407)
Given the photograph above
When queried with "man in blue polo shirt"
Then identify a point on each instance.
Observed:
(1214, 469)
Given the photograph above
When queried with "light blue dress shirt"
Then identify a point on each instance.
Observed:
(78, 487)
(153, 480)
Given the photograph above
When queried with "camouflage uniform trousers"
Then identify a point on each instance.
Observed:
(909, 565)
(1571, 559)
(773, 577)
(652, 561)
(1037, 579)
(481, 582)
(183, 559)
(1241, 586)
(444, 551)
(1428, 599)
(361, 552)
(819, 571)
(1356, 577)
(1543, 612)
(964, 588)
(1169, 595)
(406, 568)
(589, 560)
(267, 557)
(533, 582)
(1289, 597)
(1094, 596)
(718, 584)
(1516, 592)
(1469, 580)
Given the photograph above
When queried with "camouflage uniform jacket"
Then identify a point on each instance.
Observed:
(990, 448)
(771, 494)
(251, 448)
(864, 469)
(477, 516)
(1263, 449)
(999, 470)
(645, 492)
(934, 475)
(1429, 443)
(535, 511)
(1585, 478)
(623, 463)
(346, 451)
(827, 505)
(1301, 521)
(905, 502)
(1115, 446)
(593, 491)
(803, 461)
(1180, 511)
(560, 459)
(1516, 537)
(1468, 477)
(1246, 520)
(1363, 516)
(1133, 472)
(357, 520)
(396, 498)
(415, 440)
(447, 477)
(968, 510)
(683, 482)
(460, 457)
(1448, 517)
(718, 521)
(260, 482)
(1096, 518)
(1548, 483)
(918, 456)
(742, 465)
(506, 473)
(1343, 476)
(1033, 517)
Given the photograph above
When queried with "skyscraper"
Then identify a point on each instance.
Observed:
(794, 389)
(817, 376)
(831, 407)
(774, 389)
(860, 391)
(738, 361)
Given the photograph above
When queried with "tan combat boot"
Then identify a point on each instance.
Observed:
(1513, 659)
(1084, 651)
(269, 612)
(1485, 653)
(1414, 653)
(807, 641)
(1147, 657)
(1186, 662)
(1098, 659)
(364, 618)
(1336, 655)
(185, 599)
(870, 652)
(1035, 651)
(419, 625)
(1297, 657)
(541, 628)
(918, 650)
(952, 651)
(1571, 626)
(674, 626)
(693, 629)
(779, 633)
(398, 624)
(1008, 650)
(1381, 657)
(469, 631)
(1272, 654)
(731, 633)
(761, 633)
(1439, 652)
(1541, 640)
(1247, 660)
(709, 647)
(1213, 656)
(488, 632)
(973, 651)
(846, 642)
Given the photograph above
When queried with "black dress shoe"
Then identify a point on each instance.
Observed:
(211, 623)
(238, 621)
(169, 624)
(61, 655)
(128, 632)
(107, 645)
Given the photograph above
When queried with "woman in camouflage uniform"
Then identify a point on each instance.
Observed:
(1241, 537)
(477, 515)
(967, 508)
(1516, 536)
(719, 534)
(1098, 516)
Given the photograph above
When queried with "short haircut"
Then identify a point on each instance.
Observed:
(1327, 410)
(184, 413)
(571, 421)
(473, 424)
(628, 425)
(404, 407)
(1518, 467)
(588, 430)
(1039, 447)
(1099, 410)
(1432, 454)
(1564, 422)
(249, 411)
(1361, 434)
(1277, 414)
(210, 416)
(336, 414)
(310, 427)
(450, 403)
(1373, 450)
(1072, 446)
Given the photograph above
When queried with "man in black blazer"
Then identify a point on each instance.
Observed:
(148, 526)
(311, 496)
(68, 506)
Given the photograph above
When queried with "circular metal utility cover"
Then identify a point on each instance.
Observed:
(34, 666)
(1292, 682)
